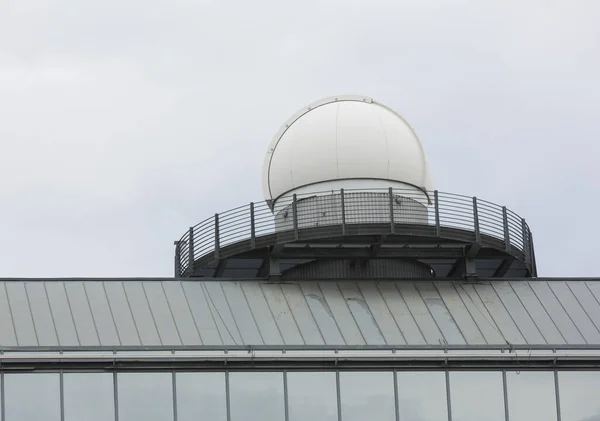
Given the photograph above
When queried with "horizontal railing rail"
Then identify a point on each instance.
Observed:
(344, 208)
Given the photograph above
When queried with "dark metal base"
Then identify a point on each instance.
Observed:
(448, 252)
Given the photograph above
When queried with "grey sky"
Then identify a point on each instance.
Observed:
(124, 122)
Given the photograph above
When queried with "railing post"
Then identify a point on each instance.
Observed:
(217, 239)
(532, 255)
(525, 241)
(391, 194)
(295, 216)
(252, 227)
(343, 212)
(177, 245)
(506, 233)
(476, 221)
(438, 230)
(191, 251)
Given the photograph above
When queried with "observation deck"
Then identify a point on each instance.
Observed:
(360, 234)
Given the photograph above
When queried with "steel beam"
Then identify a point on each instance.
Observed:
(472, 251)
(177, 259)
(505, 227)
(221, 266)
(374, 248)
(263, 269)
(348, 361)
(476, 221)
(458, 268)
(367, 252)
(274, 267)
(503, 267)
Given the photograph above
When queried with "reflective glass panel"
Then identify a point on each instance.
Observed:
(32, 397)
(367, 396)
(145, 396)
(201, 396)
(477, 396)
(422, 396)
(579, 392)
(256, 396)
(531, 395)
(89, 396)
(312, 396)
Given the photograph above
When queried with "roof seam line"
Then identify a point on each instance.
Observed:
(87, 299)
(438, 292)
(162, 285)
(111, 313)
(71, 312)
(131, 313)
(431, 314)
(51, 314)
(390, 312)
(187, 303)
(548, 313)
(527, 311)
(262, 291)
(37, 339)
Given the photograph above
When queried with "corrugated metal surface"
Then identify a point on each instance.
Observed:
(192, 312)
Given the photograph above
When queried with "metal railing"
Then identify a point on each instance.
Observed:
(345, 208)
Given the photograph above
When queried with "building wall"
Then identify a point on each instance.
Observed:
(302, 395)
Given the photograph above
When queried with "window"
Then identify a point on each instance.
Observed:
(477, 395)
(89, 396)
(256, 396)
(201, 396)
(422, 396)
(32, 397)
(312, 396)
(367, 396)
(145, 396)
(579, 391)
(531, 395)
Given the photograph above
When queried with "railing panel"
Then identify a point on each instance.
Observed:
(356, 208)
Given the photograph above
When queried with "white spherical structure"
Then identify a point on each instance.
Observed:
(345, 142)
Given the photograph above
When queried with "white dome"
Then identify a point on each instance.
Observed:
(344, 142)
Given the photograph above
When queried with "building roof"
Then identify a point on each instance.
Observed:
(173, 312)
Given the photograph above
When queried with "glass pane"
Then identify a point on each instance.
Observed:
(201, 396)
(579, 395)
(312, 396)
(477, 396)
(89, 397)
(367, 396)
(32, 397)
(422, 396)
(145, 396)
(256, 396)
(531, 395)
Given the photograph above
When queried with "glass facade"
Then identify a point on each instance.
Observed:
(303, 395)
(89, 397)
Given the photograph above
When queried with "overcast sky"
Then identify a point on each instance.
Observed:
(123, 122)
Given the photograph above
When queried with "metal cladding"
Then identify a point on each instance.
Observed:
(344, 142)
(394, 313)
